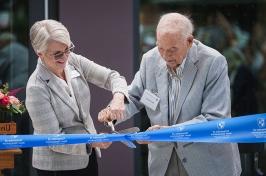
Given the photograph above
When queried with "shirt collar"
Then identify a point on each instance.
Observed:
(179, 69)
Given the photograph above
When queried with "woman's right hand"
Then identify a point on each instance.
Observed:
(105, 115)
(115, 111)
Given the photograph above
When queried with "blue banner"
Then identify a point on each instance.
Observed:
(245, 129)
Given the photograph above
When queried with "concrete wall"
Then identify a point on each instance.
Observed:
(103, 32)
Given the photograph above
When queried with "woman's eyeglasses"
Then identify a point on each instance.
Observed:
(59, 55)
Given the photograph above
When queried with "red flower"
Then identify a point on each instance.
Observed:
(8, 102)
(1, 95)
(4, 101)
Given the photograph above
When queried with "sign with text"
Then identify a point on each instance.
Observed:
(8, 128)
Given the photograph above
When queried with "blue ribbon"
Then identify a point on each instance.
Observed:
(245, 129)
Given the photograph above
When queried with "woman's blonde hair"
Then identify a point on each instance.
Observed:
(42, 32)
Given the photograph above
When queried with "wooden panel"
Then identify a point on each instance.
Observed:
(6, 161)
(7, 156)
(8, 128)
(11, 151)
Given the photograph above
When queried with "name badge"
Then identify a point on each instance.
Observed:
(74, 74)
(150, 100)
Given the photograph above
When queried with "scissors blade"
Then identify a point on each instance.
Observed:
(129, 144)
(128, 130)
(111, 125)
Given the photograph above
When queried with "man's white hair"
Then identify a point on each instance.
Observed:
(42, 32)
(175, 22)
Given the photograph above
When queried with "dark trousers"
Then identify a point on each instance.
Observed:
(91, 169)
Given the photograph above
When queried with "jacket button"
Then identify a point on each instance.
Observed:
(184, 160)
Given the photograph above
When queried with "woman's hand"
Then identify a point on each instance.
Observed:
(115, 111)
(117, 107)
(105, 115)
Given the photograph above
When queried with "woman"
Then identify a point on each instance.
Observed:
(58, 100)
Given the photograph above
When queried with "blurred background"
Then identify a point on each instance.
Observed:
(116, 34)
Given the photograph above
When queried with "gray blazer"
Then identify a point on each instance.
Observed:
(52, 111)
(204, 96)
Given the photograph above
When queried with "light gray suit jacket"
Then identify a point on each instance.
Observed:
(204, 96)
(52, 111)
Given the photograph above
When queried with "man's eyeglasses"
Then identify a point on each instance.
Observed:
(59, 55)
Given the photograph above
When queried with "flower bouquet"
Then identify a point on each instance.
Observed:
(9, 103)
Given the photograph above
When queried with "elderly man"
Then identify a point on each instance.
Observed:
(184, 81)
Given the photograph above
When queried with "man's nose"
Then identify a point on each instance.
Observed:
(166, 54)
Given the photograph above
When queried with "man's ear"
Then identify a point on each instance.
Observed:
(40, 55)
(190, 40)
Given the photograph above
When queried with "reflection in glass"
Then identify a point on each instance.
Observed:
(14, 68)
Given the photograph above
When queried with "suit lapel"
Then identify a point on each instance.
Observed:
(54, 85)
(76, 91)
(189, 74)
(162, 86)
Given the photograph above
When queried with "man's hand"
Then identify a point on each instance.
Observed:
(152, 128)
(101, 145)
